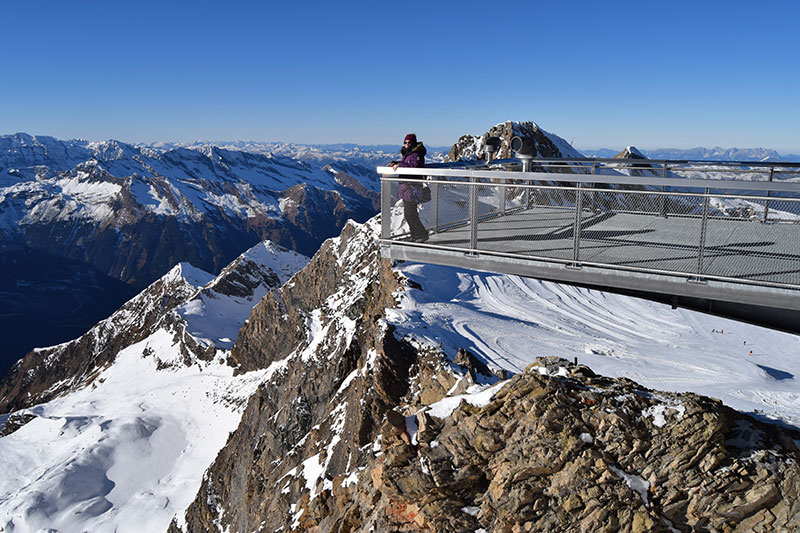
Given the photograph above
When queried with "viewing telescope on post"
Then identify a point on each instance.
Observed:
(491, 147)
(524, 149)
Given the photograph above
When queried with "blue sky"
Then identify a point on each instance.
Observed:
(600, 74)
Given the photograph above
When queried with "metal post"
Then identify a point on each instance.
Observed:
(594, 207)
(703, 233)
(435, 206)
(386, 209)
(577, 227)
(766, 202)
(664, 197)
(528, 195)
(473, 215)
(503, 191)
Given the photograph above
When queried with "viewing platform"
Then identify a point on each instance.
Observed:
(720, 237)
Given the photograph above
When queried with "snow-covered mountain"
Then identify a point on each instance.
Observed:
(702, 154)
(77, 199)
(373, 396)
(315, 155)
(113, 212)
(124, 420)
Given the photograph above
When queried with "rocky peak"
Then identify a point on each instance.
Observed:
(185, 300)
(635, 169)
(356, 429)
(548, 145)
(46, 373)
(630, 152)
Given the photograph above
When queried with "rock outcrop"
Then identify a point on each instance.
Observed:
(547, 144)
(352, 432)
(570, 451)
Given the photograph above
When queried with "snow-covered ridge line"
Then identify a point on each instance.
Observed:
(139, 438)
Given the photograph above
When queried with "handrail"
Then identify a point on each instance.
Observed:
(661, 162)
(582, 196)
(775, 186)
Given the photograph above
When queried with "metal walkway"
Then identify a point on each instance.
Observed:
(718, 237)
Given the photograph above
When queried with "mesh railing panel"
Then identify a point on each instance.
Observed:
(743, 235)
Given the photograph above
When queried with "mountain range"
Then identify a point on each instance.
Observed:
(702, 154)
(86, 225)
(337, 391)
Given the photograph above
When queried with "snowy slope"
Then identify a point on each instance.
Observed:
(128, 452)
(508, 321)
(216, 313)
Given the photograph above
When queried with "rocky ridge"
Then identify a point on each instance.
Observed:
(49, 372)
(358, 430)
(548, 145)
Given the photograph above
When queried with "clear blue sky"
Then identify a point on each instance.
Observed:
(600, 74)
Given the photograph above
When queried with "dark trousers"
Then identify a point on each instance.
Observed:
(411, 215)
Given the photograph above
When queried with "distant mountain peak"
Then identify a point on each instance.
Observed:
(630, 152)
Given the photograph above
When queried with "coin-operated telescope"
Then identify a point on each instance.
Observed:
(524, 148)
(490, 148)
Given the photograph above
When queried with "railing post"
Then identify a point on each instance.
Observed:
(703, 226)
(504, 192)
(577, 226)
(473, 215)
(766, 202)
(594, 186)
(435, 207)
(663, 196)
(386, 209)
(527, 195)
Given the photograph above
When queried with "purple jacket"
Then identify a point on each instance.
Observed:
(414, 158)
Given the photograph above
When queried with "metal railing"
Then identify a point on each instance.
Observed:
(727, 221)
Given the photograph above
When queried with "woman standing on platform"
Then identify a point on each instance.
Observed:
(413, 153)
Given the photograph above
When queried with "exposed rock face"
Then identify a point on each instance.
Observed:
(630, 152)
(584, 453)
(45, 373)
(341, 438)
(326, 400)
(548, 145)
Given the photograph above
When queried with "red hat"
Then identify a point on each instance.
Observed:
(411, 137)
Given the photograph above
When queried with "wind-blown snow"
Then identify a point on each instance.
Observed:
(507, 321)
(125, 454)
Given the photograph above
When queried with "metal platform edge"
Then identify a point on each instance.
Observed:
(772, 307)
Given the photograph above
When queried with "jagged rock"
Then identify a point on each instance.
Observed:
(547, 144)
(339, 437)
(15, 421)
(575, 453)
